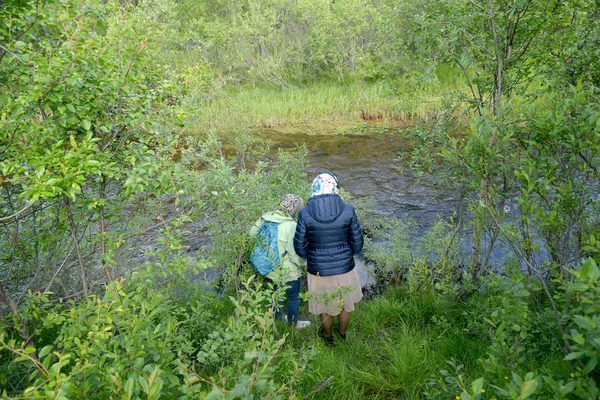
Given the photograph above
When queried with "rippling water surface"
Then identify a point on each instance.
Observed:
(367, 166)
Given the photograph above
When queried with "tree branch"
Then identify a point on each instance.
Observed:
(23, 332)
(18, 212)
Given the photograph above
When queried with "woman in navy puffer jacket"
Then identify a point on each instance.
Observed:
(328, 235)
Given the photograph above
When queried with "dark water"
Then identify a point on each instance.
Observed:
(368, 167)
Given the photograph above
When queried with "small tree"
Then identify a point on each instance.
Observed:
(84, 124)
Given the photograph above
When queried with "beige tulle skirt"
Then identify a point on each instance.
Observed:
(333, 294)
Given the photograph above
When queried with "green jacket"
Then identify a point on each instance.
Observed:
(293, 265)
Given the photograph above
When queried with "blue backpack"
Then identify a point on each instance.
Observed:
(265, 255)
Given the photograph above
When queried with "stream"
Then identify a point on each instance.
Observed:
(367, 167)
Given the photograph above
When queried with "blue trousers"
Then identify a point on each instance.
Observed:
(293, 302)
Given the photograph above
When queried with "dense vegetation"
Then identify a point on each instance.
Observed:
(128, 136)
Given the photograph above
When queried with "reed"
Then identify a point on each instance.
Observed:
(337, 104)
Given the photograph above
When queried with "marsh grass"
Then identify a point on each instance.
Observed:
(330, 103)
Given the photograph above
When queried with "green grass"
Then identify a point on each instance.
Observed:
(328, 105)
(393, 349)
(397, 345)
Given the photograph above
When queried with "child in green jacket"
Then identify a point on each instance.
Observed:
(292, 266)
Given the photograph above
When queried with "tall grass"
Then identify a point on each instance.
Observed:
(396, 346)
(324, 103)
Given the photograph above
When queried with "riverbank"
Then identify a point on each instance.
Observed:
(325, 106)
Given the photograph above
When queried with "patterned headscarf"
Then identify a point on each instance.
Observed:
(291, 204)
(325, 183)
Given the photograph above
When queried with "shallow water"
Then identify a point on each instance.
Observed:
(368, 167)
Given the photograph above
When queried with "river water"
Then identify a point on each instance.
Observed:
(368, 167)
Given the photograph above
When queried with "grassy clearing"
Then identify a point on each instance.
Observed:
(394, 348)
(327, 103)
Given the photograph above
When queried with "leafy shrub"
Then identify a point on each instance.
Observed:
(431, 261)
(516, 340)
(137, 340)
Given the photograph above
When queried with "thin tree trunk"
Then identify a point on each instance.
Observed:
(77, 250)
(498, 90)
(475, 248)
(495, 229)
(105, 265)
(488, 253)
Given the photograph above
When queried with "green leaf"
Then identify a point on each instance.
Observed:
(517, 379)
(585, 322)
(144, 384)
(574, 355)
(44, 351)
(579, 339)
(477, 386)
(590, 365)
(129, 388)
(528, 388)
(489, 321)
(568, 388)
(500, 391)
(594, 273)
(86, 124)
(578, 287)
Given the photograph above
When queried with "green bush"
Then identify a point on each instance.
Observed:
(138, 340)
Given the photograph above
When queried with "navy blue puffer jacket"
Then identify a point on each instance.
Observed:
(328, 235)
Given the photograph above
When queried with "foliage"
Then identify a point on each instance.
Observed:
(584, 334)
(239, 197)
(139, 340)
(281, 43)
(428, 262)
(247, 354)
(499, 46)
(516, 338)
(454, 382)
(119, 118)
(85, 124)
